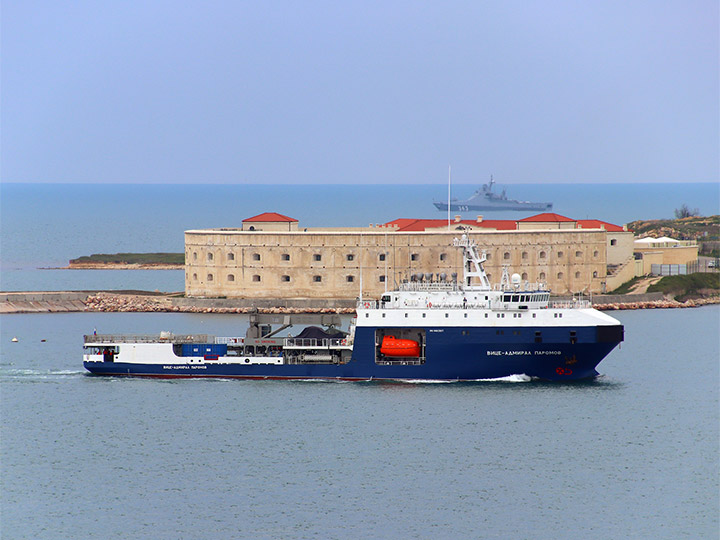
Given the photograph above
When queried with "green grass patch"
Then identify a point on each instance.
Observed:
(132, 258)
(690, 286)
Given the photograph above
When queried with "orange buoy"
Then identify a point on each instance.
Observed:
(399, 347)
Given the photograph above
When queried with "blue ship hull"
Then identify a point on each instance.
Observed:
(451, 354)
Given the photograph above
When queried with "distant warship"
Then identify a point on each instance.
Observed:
(485, 199)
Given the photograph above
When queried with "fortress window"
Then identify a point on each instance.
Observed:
(489, 256)
(194, 277)
(350, 257)
(595, 273)
(195, 256)
(524, 255)
(256, 256)
(349, 279)
(285, 278)
(613, 242)
(285, 257)
(231, 277)
(577, 275)
(443, 256)
(382, 256)
(560, 254)
(414, 257)
(210, 256)
(578, 253)
(231, 256)
(210, 277)
(524, 276)
(560, 275)
(256, 278)
(506, 255)
(542, 276)
(317, 257)
(317, 279)
(382, 279)
(542, 255)
(596, 253)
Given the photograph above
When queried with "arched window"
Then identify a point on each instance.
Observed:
(256, 256)
(595, 273)
(541, 277)
(524, 255)
(210, 277)
(596, 253)
(231, 256)
(524, 276)
(542, 255)
(210, 256)
(560, 275)
(231, 277)
(506, 255)
(577, 275)
(194, 255)
(194, 277)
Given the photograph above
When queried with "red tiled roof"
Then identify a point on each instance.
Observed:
(269, 217)
(597, 224)
(548, 217)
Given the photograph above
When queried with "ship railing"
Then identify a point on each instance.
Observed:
(229, 340)
(570, 304)
(423, 286)
(314, 343)
(164, 337)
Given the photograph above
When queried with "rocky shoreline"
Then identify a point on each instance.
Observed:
(139, 302)
(121, 266)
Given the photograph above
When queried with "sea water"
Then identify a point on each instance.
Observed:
(46, 225)
(633, 454)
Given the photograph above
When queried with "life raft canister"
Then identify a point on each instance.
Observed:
(399, 347)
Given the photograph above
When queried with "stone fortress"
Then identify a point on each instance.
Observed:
(272, 257)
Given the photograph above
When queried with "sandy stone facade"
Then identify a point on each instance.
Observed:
(319, 263)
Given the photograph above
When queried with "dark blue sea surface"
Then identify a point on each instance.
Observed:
(46, 225)
(631, 455)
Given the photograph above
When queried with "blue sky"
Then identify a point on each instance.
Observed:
(359, 92)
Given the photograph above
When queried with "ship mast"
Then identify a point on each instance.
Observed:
(473, 264)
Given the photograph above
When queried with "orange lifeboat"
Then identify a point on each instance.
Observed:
(399, 347)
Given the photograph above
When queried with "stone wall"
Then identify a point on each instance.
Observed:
(326, 264)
